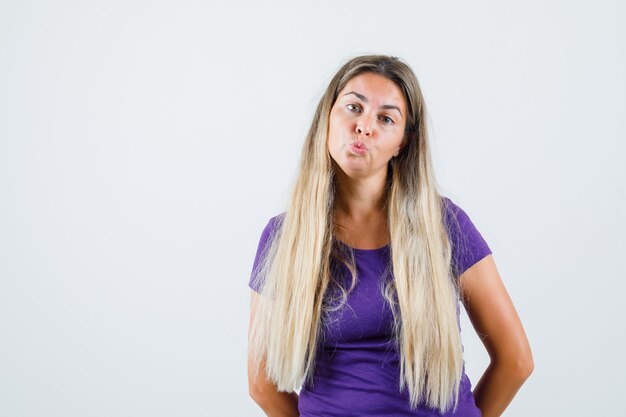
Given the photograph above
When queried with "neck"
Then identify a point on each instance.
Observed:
(360, 199)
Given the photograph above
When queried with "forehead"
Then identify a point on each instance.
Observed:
(374, 87)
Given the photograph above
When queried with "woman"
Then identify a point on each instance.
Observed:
(357, 284)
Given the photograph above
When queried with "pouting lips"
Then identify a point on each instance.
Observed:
(358, 150)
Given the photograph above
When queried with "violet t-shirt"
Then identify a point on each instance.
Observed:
(357, 365)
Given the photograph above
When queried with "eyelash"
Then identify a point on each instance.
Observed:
(386, 117)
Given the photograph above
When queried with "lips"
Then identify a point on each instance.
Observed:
(358, 150)
(359, 145)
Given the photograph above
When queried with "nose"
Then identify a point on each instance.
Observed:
(363, 128)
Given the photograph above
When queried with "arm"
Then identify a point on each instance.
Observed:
(263, 392)
(495, 319)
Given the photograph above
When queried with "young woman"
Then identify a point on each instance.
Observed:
(357, 285)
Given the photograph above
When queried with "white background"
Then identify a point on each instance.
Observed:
(144, 146)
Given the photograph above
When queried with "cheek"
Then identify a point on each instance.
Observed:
(333, 142)
(333, 132)
(338, 120)
(337, 133)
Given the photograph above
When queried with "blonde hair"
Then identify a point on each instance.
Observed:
(295, 270)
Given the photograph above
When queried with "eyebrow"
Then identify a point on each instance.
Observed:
(384, 106)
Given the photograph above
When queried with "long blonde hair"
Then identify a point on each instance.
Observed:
(295, 271)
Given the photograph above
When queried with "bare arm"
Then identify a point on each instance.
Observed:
(263, 392)
(495, 319)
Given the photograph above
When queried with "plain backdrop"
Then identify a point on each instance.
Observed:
(145, 145)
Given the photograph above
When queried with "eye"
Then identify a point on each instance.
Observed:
(349, 106)
(387, 120)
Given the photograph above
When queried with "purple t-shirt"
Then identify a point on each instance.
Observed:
(357, 365)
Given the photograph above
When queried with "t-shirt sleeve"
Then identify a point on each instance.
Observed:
(267, 235)
(468, 245)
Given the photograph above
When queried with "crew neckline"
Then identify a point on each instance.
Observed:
(364, 250)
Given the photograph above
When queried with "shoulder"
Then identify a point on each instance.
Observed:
(274, 223)
(271, 228)
(454, 217)
(468, 244)
(450, 208)
(267, 236)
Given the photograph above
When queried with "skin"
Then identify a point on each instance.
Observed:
(359, 216)
(264, 392)
(493, 316)
(361, 114)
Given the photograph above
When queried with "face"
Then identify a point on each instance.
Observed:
(366, 125)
